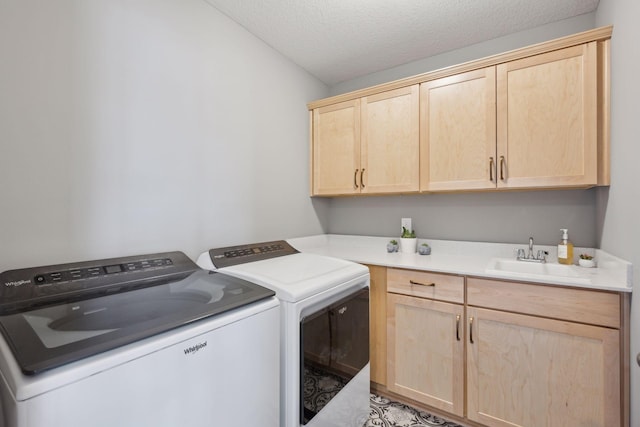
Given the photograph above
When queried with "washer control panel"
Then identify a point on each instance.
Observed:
(233, 255)
(27, 288)
(73, 274)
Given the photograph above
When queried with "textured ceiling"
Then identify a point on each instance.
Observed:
(337, 40)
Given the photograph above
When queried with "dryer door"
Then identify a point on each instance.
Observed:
(335, 348)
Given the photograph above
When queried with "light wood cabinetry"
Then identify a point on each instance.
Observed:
(501, 353)
(336, 148)
(424, 284)
(576, 305)
(390, 142)
(425, 338)
(529, 371)
(368, 145)
(529, 123)
(458, 132)
(547, 119)
(532, 118)
(552, 357)
(378, 324)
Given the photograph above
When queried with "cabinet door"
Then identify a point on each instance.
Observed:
(535, 372)
(458, 132)
(336, 149)
(390, 141)
(547, 119)
(425, 345)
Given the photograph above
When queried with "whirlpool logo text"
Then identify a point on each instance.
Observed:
(17, 283)
(195, 348)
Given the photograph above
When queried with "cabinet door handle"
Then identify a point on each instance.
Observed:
(355, 178)
(471, 330)
(491, 166)
(502, 164)
(361, 178)
(421, 284)
(458, 327)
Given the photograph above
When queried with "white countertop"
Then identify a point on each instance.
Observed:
(470, 259)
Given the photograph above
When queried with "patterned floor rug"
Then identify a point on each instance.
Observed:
(387, 413)
(320, 387)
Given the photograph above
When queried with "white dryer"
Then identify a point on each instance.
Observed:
(149, 340)
(324, 329)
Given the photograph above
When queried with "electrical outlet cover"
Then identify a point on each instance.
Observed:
(406, 223)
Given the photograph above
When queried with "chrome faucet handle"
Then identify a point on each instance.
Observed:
(520, 254)
(542, 255)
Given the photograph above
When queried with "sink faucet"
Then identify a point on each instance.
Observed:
(530, 254)
(530, 257)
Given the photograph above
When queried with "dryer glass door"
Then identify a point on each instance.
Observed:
(335, 347)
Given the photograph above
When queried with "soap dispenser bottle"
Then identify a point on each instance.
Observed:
(565, 248)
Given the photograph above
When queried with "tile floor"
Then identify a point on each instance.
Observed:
(320, 387)
(387, 413)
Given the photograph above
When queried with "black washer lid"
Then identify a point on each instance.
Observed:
(119, 302)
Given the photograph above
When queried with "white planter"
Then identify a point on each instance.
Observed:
(408, 246)
(587, 263)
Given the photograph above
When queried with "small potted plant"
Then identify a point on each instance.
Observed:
(392, 246)
(424, 249)
(586, 260)
(408, 241)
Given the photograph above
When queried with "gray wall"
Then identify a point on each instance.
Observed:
(509, 217)
(146, 125)
(485, 217)
(619, 206)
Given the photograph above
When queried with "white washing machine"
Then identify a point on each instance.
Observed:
(149, 340)
(324, 328)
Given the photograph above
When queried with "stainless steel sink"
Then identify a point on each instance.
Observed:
(546, 271)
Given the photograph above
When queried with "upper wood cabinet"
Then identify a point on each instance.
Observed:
(368, 145)
(530, 123)
(336, 148)
(390, 141)
(532, 118)
(547, 119)
(458, 132)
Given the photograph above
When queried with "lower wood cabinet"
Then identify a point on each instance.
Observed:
(378, 324)
(543, 355)
(500, 353)
(425, 338)
(529, 371)
(426, 351)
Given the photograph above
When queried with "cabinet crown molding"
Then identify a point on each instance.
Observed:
(597, 34)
